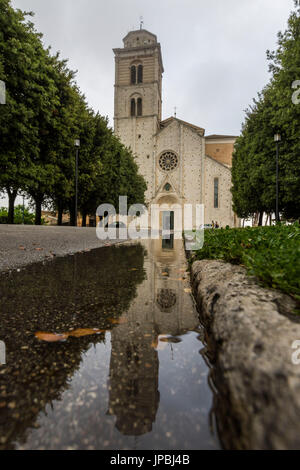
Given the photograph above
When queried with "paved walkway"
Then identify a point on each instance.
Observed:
(24, 244)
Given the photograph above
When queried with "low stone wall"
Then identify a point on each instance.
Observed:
(249, 333)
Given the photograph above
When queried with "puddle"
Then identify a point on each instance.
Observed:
(139, 383)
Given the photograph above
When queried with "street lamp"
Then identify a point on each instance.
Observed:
(77, 146)
(277, 139)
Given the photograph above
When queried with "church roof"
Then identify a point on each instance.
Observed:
(228, 167)
(168, 121)
(140, 31)
(218, 136)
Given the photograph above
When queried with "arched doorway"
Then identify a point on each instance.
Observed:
(168, 213)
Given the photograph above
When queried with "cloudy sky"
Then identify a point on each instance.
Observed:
(214, 51)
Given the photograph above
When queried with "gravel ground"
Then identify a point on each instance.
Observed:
(25, 244)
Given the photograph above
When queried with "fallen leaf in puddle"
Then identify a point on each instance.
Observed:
(117, 321)
(165, 274)
(159, 345)
(21, 247)
(56, 337)
(85, 332)
(51, 337)
(39, 249)
(170, 339)
(133, 269)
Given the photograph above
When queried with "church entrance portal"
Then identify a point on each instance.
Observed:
(168, 220)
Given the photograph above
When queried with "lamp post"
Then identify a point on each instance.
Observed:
(77, 146)
(23, 210)
(277, 139)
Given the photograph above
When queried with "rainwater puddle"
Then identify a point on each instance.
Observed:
(139, 383)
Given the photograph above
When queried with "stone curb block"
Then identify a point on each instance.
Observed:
(250, 331)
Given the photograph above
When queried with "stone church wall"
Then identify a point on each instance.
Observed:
(193, 151)
(168, 139)
(188, 145)
(223, 214)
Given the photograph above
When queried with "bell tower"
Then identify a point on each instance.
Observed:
(138, 98)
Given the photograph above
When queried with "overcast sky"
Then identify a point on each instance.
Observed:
(214, 51)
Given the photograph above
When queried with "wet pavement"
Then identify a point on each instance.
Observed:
(139, 383)
(21, 245)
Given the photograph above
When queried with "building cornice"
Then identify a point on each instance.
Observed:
(133, 50)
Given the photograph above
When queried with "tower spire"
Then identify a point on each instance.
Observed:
(141, 22)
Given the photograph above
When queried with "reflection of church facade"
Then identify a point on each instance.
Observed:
(181, 165)
(160, 308)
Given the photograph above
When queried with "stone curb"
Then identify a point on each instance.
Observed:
(249, 335)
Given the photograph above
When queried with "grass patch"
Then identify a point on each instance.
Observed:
(272, 254)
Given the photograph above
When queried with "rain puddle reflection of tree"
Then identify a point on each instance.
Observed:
(127, 364)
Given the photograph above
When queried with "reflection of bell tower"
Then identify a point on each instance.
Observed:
(160, 308)
(138, 97)
(134, 395)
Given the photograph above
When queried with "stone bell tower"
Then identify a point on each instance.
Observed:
(138, 98)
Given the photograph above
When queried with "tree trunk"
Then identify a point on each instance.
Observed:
(72, 214)
(11, 204)
(255, 220)
(84, 215)
(38, 210)
(260, 220)
(59, 214)
(267, 220)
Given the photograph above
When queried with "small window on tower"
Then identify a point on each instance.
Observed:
(139, 107)
(133, 75)
(140, 74)
(132, 107)
(167, 187)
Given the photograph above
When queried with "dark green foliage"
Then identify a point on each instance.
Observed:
(254, 160)
(43, 115)
(272, 254)
(18, 216)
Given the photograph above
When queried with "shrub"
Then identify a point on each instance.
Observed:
(28, 216)
(272, 254)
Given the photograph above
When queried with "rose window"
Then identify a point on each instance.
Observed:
(168, 161)
(166, 299)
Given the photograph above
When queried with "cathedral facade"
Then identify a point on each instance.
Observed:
(180, 164)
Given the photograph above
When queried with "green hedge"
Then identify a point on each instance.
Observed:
(272, 254)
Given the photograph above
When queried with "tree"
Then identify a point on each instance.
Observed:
(45, 112)
(254, 160)
(19, 52)
(285, 68)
